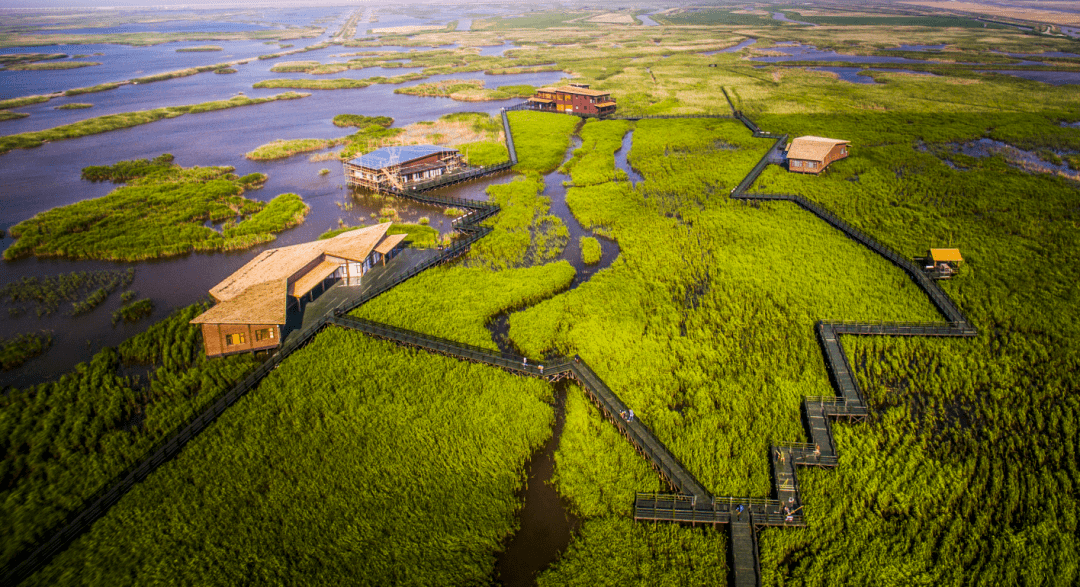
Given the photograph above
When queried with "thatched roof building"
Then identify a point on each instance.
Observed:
(253, 303)
(813, 154)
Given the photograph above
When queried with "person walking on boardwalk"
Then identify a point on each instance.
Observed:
(630, 416)
(524, 361)
(817, 450)
(541, 367)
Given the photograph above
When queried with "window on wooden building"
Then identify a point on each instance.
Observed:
(264, 334)
(234, 339)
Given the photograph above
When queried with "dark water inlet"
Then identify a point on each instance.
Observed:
(547, 525)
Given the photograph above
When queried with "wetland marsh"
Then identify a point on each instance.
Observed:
(361, 461)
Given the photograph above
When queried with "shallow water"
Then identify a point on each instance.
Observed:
(39, 179)
(1054, 78)
(852, 74)
(646, 21)
(547, 524)
(781, 17)
(811, 53)
(738, 47)
(169, 26)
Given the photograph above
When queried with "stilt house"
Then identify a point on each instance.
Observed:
(573, 99)
(814, 154)
(253, 303)
(397, 167)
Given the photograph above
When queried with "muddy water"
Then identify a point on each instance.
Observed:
(547, 524)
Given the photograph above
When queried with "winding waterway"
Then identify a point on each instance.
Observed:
(39, 179)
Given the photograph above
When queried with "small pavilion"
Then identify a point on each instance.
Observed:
(943, 263)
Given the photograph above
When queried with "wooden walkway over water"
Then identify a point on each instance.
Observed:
(690, 502)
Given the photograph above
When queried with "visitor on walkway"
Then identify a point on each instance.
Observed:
(541, 369)
(817, 450)
(524, 361)
(630, 417)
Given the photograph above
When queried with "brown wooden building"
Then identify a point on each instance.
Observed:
(398, 166)
(573, 99)
(814, 154)
(254, 302)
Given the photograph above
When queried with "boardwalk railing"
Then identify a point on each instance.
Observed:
(95, 506)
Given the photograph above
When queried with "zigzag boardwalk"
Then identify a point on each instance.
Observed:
(610, 404)
(692, 504)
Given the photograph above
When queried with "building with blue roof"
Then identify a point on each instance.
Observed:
(399, 166)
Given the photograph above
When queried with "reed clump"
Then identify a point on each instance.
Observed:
(20, 348)
(102, 124)
(162, 211)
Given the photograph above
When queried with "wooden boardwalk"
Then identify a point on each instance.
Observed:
(690, 503)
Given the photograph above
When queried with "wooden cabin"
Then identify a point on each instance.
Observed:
(396, 167)
(943, 263)
(814, 154)
(252, 304)
(573, 99)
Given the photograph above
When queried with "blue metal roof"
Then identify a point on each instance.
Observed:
(390, 156)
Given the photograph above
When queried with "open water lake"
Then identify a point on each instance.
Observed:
(39, 179)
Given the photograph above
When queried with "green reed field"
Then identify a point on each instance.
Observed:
(412, 483)
(168, 204)
(393, 466)
(63, 440)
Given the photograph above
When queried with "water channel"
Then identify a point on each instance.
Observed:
(39, 179)
(547, 523)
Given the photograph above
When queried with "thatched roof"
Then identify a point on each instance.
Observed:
(389, 243)
(285, 262)
(572, 90)
(812, 148)
(579, 91)
(312, 278)
(262, 303)
(257, 293)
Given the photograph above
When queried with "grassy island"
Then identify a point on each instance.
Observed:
(590, 250)
(52, 65)
(199, 49)
(160, 212)
(20, 348)
(102, 124)
(467, 90)
(74, 106)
